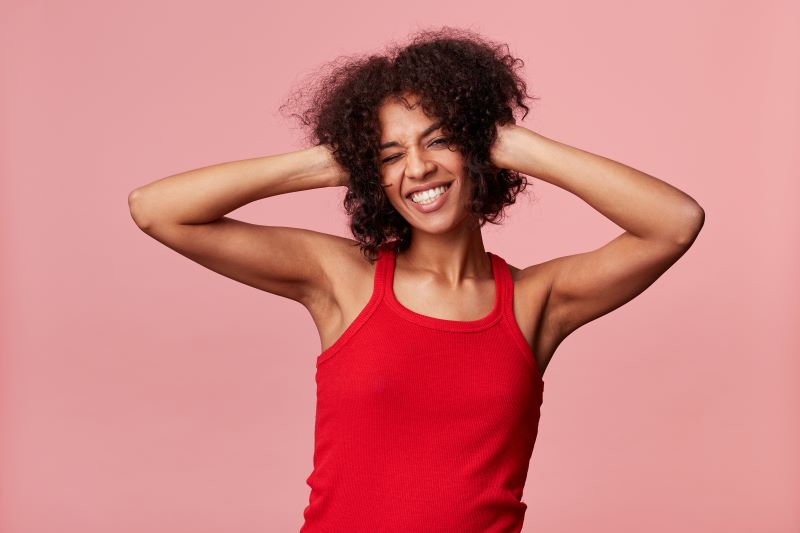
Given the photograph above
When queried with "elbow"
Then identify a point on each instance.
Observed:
(136, 209)
(693, 221)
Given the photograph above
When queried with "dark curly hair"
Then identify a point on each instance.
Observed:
(467, 81)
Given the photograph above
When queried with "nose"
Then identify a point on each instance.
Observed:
(417, 166)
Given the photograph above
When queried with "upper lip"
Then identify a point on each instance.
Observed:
(431, 185)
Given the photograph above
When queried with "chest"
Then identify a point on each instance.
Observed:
(336, 314)
(441, 377)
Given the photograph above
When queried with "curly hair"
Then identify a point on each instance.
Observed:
(467, 81)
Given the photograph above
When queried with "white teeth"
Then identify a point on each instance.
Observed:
(426, 197)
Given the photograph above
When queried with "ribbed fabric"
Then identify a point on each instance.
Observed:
(424, 425)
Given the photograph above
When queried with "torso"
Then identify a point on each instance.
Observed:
(353, 285)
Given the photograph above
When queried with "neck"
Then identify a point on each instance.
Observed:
(453, 256)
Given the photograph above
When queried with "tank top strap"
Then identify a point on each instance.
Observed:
(382, 272)
(384, 269)
(505, 285)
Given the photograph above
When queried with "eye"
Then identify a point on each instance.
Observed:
(395, 156)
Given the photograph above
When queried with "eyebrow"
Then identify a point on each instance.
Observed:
(427, 131)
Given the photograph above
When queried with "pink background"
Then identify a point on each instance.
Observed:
(142, 392)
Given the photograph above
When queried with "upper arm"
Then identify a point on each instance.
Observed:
(288, 262)
(589, 285)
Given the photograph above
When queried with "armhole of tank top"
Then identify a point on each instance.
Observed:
(511, 322)
(377, 294)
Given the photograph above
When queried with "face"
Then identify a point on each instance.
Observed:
(415, 156)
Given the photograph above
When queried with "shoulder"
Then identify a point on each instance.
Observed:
(533, 286)
(533, 308)
(348, 273)
(348, 286)
(534, 278)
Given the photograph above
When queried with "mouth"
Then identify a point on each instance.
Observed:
(428, 194)
(432, 199)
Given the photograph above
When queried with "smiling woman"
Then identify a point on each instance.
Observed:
(433, 349)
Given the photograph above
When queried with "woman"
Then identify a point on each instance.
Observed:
(429, 382)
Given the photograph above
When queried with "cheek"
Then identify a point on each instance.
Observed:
(391, 191)
(390, 185)
(466, 189)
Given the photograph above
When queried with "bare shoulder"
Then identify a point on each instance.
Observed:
(349, 281)
(532, 286)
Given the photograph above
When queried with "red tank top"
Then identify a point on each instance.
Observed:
(422, 423)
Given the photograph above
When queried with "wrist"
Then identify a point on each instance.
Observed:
(519, 149)
(326, 166)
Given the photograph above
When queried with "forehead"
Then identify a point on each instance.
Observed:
(402, 117)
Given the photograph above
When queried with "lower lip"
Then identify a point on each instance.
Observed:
(434, 205)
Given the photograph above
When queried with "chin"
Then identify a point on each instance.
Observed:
(438, 225)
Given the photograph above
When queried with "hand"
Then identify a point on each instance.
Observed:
(337, 176)
(500, 152)
(341, 178)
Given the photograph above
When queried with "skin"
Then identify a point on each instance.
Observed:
(445, 273)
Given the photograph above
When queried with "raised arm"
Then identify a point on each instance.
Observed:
(186, 212)
(660, 222)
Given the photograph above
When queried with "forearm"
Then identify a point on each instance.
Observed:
(206, 194)
(639, 203)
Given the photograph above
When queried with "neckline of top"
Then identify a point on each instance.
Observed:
(484, 322)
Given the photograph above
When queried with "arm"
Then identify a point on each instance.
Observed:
(186, 212)
(660, 223)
